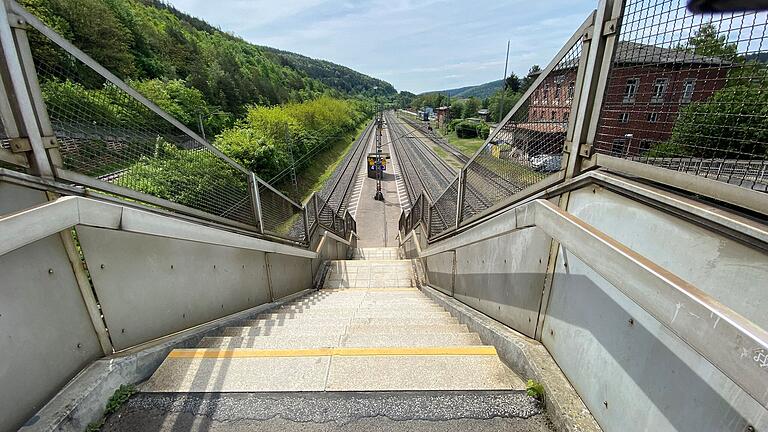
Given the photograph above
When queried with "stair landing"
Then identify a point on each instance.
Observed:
(368, 329)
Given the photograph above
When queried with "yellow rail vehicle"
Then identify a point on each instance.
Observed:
(373, 163)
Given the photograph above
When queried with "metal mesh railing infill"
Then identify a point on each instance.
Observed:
(280, 216)
(443, 211)
(528, 146)
(108, 135)
(689, 92)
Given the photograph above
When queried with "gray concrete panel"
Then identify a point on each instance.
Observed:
(152, 286)
(729, 271)
(631, 371)
(14, 198)
(440, 270)
(46, 334)
(289, 274)
(503, 277)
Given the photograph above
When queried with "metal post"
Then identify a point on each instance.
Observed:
(379, 120)
(306, 224)
(28, 124)
(254, 184)
(601, 42)
(317, 209)
(504, 88)
(460, 197)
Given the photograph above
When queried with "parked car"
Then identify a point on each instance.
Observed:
(546, 163)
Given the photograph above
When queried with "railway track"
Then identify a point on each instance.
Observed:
(484, 186)
(423, 171)
(336, 190)
(442, 143)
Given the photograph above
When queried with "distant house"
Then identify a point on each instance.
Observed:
(443, 116)
(648, 85)
(483, 114)
(647, 88)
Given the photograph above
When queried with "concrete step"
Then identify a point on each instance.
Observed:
(350, 313)
(384, 253)
(309, 330)
(288, 341)
(346, 309)
(413, 340)
(488, 411)
(321, 322)
(338, 369)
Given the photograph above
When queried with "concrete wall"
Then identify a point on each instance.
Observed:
(149, 285)
(503, 277)
(152, 286)
(46, 335)
(647, 376)
(632, 372)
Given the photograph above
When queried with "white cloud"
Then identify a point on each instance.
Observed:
(417, 45)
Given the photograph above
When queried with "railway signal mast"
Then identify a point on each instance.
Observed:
(379, 166)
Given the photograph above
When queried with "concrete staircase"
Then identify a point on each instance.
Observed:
(368, 329)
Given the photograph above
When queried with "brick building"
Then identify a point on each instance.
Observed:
(647, 87)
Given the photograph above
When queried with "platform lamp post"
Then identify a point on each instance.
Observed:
(378, 165)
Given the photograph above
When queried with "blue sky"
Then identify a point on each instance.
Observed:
(417, 45)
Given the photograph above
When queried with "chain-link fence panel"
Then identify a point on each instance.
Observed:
(528, 146)
(280, 216)
(689, 93)
(107, 134)
(309, 208)
(443, 211)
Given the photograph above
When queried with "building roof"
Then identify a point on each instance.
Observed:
(634, 52)
(628, 52)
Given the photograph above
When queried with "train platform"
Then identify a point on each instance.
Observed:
(377, 220)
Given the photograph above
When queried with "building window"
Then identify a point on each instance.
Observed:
(557, 91)
(554, 115)
(571, 89)
(630, 91)
(645, 146)
(546, 92)
(659, 88)
(688, 88)
(618, 147)
(624, 117)
(565, 116)
(653, 117)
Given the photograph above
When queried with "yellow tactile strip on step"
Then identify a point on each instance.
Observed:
(324, 352)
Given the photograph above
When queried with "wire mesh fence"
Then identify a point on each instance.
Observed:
(310, 209)
(329, 219)
(105, 133)
(689, 93)
(443, 211)
(280, 216)
(528, 146)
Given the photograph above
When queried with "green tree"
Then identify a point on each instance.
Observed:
(730, 124)
(512, 83)
(707, 42)
(471, 107)
(533, 74)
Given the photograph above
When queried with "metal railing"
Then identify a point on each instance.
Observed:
(694, 99)
(98, 132)
(626, 92)
(525, 149)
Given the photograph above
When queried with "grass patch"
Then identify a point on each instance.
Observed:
(121, 396)
(468, 146)
(534, 389)
(324, 163)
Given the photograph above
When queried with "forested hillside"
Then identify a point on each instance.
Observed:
(147, 39)
(480, 91)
